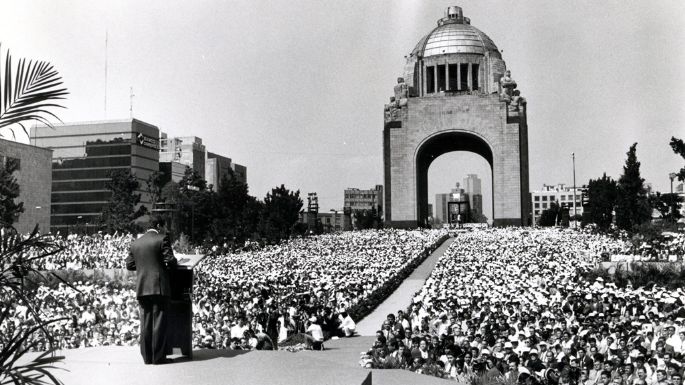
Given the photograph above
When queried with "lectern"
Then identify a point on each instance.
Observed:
(180, 312)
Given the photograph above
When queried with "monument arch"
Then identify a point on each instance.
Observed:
(456, 95)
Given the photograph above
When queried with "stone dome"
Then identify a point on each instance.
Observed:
(453, 35)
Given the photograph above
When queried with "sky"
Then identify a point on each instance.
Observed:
(294, 90)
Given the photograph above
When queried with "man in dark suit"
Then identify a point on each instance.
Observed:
(151, 255)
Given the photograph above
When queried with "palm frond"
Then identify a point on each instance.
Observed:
(29, 93)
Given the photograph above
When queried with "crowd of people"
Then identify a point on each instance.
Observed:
(247, 300)
(284, 290)
(511, 303)
(88, 314)
(98, 251)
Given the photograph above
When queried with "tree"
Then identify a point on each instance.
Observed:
(155, 184)
(668, 205)
(17, 260)
(9, 191)
(281, 209)
(477, 217)
(367, 219)
(232, 203)
(632, 206)
(550, 216)
(120, 212)
(197, 206)
(678, 147)
(601, 196)
(30, 95)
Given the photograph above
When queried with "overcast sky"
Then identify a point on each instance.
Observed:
(294, 90)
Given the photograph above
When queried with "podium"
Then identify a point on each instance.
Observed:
(180, 311)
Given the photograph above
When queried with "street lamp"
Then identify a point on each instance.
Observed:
(672, 176)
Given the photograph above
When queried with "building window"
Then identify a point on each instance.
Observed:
(544, 205)
(544, 198)
(536, 198)
(430, 79)
(537, 205)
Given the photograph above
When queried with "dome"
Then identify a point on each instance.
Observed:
(455, 35)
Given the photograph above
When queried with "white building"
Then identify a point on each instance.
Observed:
(560, 193)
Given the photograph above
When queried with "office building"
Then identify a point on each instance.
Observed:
(34, 177)
(83, 155)
(472, 186)
(360, 200)
(561, 194)
(177, 153)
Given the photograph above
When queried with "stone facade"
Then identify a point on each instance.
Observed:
(431, 126)
(476, 116)
(35, 183)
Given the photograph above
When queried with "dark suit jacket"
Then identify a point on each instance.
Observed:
(151, 255)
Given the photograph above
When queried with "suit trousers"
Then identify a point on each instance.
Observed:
(153, 326)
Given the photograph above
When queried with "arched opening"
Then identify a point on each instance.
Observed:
(473, 174)
(437, 145)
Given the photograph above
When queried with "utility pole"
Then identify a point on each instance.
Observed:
(575, 224)
(106, 41)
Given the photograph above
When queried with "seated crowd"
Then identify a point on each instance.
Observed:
(98, 251)
(510, 303)
(248, 300)
(282, 290)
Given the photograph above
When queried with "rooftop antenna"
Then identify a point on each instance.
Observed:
(130, 109)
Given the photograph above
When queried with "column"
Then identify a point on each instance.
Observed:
(447, 76)
(459, 76)
(423, 78)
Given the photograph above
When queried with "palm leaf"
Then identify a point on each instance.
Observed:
(29, 94)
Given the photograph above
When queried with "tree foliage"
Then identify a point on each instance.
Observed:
(28, 92)
(281, 209)
(601, 195)
(9, 191)
(632, 205)
(550, 216)
(120, 211)
(17, 271)
(197, 205)
(238, 212)
(678, 147)
(367, 219)
(668, 205)
(155, 185)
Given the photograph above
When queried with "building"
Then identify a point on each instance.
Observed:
(240, 172)
(359, 200)
(456, 201)
(542, 199)
(216, 166)
(336, 220)
(472, 186)
(177, 153)
(83, 155)
(34, 177)
(456, 94)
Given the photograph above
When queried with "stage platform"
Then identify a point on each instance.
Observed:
(337, 365)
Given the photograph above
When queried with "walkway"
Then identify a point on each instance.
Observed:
(401, 298)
